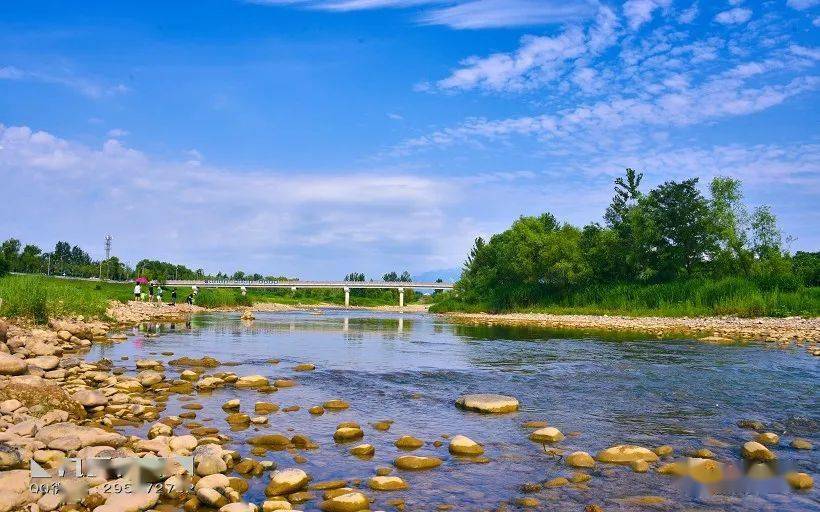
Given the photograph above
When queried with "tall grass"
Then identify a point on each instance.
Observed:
(40, 297)
(698, 297)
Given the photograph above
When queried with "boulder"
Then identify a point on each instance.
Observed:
(87, 436)
(755, 451)
(363, 450)
(387, 483)
(408, 443)
(414, 462)
(89, 398)
(286, 481)
(580, 460)
(626, 453)
(11, 365)
(801, 444)
(348, 502)
(46, 363)
(705, 471)
(799, 481)
(344, 434)
(547, 435)
(251, 381)
(463, 445)
(768, 438)
(150, 377)
(335, 405)
(488, 403)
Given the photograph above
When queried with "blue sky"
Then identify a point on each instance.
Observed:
(313, 138)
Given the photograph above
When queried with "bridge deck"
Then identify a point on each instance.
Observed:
(394, 285)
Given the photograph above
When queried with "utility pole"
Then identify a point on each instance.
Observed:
(107, 253)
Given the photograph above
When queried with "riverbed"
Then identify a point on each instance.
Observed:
(410, 368)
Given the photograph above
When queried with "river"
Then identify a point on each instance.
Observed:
(598, 391)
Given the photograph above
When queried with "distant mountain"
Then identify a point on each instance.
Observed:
(448, 275)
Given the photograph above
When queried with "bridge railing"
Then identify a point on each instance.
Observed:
(309, 284)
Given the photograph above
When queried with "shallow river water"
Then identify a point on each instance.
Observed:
(411, 368)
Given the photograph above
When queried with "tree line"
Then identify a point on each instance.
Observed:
(671, 233)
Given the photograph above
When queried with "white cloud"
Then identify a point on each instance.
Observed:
(83, 85)
(475, 14)
(463, 14)
(116, 133)
(207, 216)
(734, 16)
(638, 12)
(802, 4)
(538, 60)
(802, 51)
(689, 15)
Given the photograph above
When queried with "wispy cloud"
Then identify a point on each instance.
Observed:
(734, 16)
(82, 85)
(537, 61)
(638, 12)
(463, 14)
(802, 4)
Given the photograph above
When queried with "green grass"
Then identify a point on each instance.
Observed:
(40, 297)
(697, 297)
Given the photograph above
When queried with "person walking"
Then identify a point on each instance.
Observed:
(137, 291)
(151, 292)
(190, 299)
(173, 296)
(159, 294)
(244, 290)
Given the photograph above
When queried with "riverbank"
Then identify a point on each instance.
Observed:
(714, 329)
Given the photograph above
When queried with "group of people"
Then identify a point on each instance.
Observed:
(155, 293)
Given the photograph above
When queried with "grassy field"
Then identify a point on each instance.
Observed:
(697, 297)
(40, 297)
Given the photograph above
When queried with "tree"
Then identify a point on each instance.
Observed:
(11, 253)
(680, 218)
(30, 259)
(390, 277)
(767, 239)
(626, 197)
(355, 276)
(729, 219)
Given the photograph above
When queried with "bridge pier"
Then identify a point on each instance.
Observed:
(293, 289)
(347, 297)
(401, 297)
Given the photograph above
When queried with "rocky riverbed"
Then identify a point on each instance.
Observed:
(55, 404)
(784, 331)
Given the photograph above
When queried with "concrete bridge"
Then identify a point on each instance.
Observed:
(295, 285)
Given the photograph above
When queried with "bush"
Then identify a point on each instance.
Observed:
(4, 266)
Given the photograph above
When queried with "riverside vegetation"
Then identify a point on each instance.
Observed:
(42, 297)
(669, 252)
